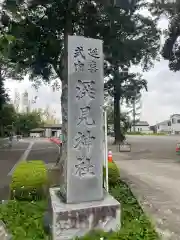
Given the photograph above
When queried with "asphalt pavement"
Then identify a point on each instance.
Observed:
(8, 158)
(26, 149)
(157, 148)
(44, 150)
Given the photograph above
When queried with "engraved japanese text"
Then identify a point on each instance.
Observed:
(84, 167)
(85, 88)
(84, 116)
(83, 140)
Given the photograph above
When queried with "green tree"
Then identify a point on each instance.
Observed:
(124, 119)
(41, 29)
(26, 121)
(171, 47)
(127, 85)
(7, 119)
(3, 94)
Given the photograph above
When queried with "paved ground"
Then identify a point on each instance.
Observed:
(8, 158)
(44, 150)
(152, 169)
(157, 187)
(151, 147)
(29, 149)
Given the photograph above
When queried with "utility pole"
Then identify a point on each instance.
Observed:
(134, 113)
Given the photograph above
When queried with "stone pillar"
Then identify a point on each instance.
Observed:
(81, 204)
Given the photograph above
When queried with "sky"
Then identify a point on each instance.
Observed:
(161, 100)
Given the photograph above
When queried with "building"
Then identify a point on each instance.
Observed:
(142, 127)
(37, 132)
(175, 123)
(48, 130)
(171, 126)
(52, 130)
(164, 127)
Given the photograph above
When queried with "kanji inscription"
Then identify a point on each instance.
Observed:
(79, 66)
(85, 88)
(84, 167)
(84, 117)
(83, 140)
(79, 52)
(92, 66)
(79, 57)
(93, 52)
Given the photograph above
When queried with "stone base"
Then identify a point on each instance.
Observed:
(54, 174)
(76, 220)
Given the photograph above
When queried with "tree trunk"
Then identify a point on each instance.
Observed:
(119, 137)
(64, 106)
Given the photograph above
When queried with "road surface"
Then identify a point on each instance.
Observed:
(27, 149)
(156, 185)
(151, 147)
(154, 175)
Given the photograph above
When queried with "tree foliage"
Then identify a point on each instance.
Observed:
(171, 47)
(41, 28)
(124, 119)
(26, 121)
(18, 122)
(8, 116)
(3, 94)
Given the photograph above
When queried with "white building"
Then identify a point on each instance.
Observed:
(175, 123)
(141, 126)
(52, 130)
(48, 130)
(164, 127)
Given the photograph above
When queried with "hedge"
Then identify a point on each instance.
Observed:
(29, 181)
(113, 173)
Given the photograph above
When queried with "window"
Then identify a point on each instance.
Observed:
(169, 123)
(178, 121)
(173, 120)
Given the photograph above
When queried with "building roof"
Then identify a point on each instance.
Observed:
(37, 130)
(163, 122)
(176, 114)
(52, 126)
(142, 123)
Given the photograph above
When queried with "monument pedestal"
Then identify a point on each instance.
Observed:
(76, 220)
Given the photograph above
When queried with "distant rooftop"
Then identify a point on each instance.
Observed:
(163, 122)
(52, 126)
(142, 123)
(37, 130)
(175, 114)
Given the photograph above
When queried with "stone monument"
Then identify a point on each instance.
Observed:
(84, 205)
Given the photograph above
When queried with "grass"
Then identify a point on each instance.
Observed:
(135, 224)
(146, 134)
(24, 219)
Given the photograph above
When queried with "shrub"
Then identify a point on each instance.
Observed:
(29, 181)
(113, 173)
(134, 133)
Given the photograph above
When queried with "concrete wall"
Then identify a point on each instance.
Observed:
(36, 135)
(49, 132)
(163, 128)
(175, 124)
(143, 129)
